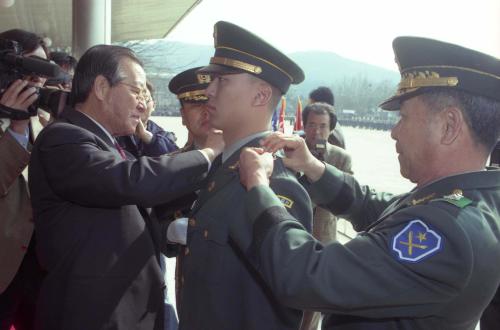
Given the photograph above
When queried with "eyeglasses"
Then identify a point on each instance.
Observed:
(316, 126)
(141, 94)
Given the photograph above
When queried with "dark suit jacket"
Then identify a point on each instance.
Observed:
(95, 237)
(16, 220)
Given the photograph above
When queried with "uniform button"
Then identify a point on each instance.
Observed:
(186, 251)
(192, 222)
(205, 233)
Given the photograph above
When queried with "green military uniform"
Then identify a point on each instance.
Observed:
(419, 265)
(220, 288)
(425, 260)
(189, 87)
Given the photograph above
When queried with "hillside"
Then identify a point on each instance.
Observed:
(351, 80)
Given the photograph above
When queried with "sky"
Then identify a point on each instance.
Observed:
(361, 30)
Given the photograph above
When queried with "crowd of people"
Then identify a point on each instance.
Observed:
(93, 200)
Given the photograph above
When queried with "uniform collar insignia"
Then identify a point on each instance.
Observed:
(234, 166)
(417, 201)
(457, 198)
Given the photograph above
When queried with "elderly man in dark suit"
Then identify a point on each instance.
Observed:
(95, 236)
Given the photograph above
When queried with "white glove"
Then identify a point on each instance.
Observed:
(177, 231)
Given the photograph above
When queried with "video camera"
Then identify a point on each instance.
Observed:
(14, 66)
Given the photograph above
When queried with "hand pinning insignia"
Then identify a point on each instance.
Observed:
(287, 202)
(416, 242)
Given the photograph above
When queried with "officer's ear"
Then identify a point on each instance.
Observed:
(453, 121)
(101, 87)
(263, 94)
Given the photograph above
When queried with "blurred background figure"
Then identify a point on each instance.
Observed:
(325, 94)
(149, 139)
(68, 64)
(319, 120)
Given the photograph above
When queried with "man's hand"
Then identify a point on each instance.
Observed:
(256, 166)
(297, 154)
(17, 98)
(214, 144)
(142, 133)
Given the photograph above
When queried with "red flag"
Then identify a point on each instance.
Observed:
(281, 118)
(298, 116)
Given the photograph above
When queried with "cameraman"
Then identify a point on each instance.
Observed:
(68, 64)
(319, 120)
(20, 272)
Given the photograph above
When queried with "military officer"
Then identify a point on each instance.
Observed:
(220, 289)
(425, 260)
(189, 87)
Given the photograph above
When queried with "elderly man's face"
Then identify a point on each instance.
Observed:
(126, 101)
(417, 140)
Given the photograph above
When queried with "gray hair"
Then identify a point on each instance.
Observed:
(482, 114)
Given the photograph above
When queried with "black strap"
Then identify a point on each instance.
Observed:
(14, 114)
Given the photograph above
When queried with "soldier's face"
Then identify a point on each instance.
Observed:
(229, 99)
(195, 118)
(417, 141)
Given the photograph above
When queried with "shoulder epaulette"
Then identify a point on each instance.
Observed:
(456, 198)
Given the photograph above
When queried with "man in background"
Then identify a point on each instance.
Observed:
(325, 94)
(68, 64)
(149, 139)
(189, 86)
(319, 120)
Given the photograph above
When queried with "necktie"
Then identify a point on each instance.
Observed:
(120, 150)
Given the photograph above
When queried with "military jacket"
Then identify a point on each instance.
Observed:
(221, 290)
(425, 260)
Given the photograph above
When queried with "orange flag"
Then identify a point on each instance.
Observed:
(298, 116)
(281, 117)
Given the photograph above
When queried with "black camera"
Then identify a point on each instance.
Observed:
(14, 66)
(318, 149)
